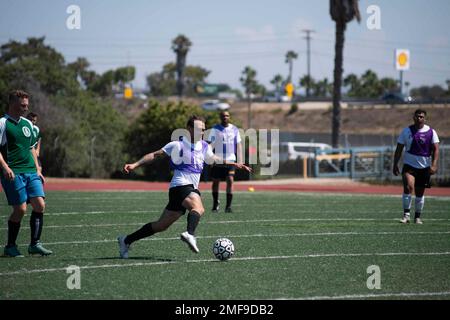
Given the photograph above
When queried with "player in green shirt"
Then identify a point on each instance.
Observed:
(21, 178)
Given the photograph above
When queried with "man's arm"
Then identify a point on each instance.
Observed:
(434, 158)
(148, 158)
(233, 164)
(38, 147)
(239, 153)
(36, 164)
(7, 172)
(397, 155)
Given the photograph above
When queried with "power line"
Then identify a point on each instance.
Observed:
(308, 63)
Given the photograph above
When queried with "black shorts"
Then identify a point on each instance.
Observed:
(177, 196)
(422, 176)
(222, 171)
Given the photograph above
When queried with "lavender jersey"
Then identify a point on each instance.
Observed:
(187, 160)
(418, 145)
(224, 141)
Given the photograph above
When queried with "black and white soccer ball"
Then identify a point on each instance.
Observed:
(223, 249)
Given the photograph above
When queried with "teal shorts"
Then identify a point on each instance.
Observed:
(24, 187)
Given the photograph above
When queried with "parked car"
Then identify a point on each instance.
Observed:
(212, 105)
(395, 97)
(294, 150)
(276, 98)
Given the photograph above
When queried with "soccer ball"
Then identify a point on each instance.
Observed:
(223, 249)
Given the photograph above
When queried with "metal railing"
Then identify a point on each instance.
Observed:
(369, 162)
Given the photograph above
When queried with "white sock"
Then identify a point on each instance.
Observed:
(419, 203)
(407, 200)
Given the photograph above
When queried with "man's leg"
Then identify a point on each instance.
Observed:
(13, 230)
(215, 194)
(36, 225)
(419, 204)
(408, 187)
(166, 219)
(230, 180)
(193, 203)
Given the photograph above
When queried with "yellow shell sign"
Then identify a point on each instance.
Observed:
(402, 59)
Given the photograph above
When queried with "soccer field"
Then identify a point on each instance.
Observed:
(288, 246)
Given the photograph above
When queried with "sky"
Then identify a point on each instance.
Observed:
(229, 35)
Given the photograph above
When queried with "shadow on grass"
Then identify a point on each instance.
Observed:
(146, 258)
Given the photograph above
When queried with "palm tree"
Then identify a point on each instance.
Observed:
(290, 56)
(181, 45)
(248, 81)
(277, 81)
(342, 12)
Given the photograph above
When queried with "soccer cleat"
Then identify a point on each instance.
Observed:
(190, 240)
(123, 247)
(405, 219)
(418, 221)
(215, 208)
(12, 252)
(38, 249)
(228, 210)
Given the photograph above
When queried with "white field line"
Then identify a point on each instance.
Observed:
(259, 235)
(218, 222)
(373, 295)
(147, 264)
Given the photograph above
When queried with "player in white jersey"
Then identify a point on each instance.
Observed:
(226, 142)
(419, 162)
(187, 159)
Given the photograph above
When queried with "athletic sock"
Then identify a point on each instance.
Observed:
(144, 232)
(36, 223)
(407, 200)
(419, 203)
(215, 199)
(192, 221)
(229, 199)
(13, 232)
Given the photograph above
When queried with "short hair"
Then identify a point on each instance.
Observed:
(419, 111)
(15, 95)
(192, 119)
(32, 115)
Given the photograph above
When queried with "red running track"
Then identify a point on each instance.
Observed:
(54, 184)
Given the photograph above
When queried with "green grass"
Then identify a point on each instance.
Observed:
(288, 246)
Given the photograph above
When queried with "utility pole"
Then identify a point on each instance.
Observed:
(308, 50)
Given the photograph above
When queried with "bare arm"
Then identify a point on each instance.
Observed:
(233, 164)
(239, 153)
(7, 172)
(397, 155)
(148, 158)
(434, 158)
(38, 147)
(36, 164)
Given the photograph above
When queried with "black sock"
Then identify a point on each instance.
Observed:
(144, 232)
(192, 221)
(36, 223)
(406, 211)
(215, 199)
(13, 231)
(417, 215)
(229, 199)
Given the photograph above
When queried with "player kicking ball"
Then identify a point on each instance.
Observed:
(187, 159)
